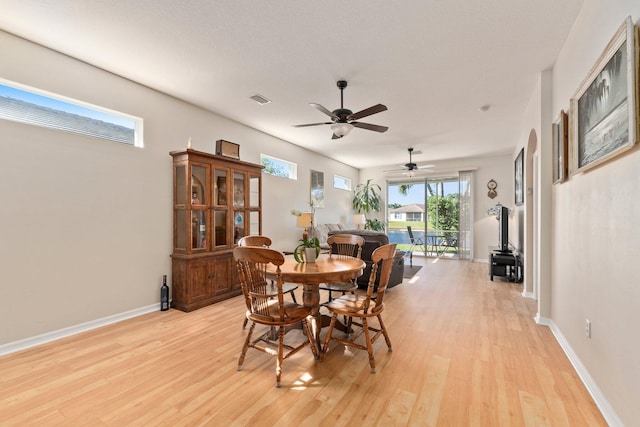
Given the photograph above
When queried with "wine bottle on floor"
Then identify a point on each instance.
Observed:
(164, 294)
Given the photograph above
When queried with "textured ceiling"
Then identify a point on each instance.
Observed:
(433, 63)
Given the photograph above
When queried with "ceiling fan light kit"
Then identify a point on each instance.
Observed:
(341, 129)
(343, 120)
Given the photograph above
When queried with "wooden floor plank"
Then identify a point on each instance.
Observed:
(466, 351)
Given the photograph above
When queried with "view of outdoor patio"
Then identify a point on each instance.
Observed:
(431, 208)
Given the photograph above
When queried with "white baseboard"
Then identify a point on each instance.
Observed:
(23, 344)
(600, 400)
(485, 260)
(529, 295)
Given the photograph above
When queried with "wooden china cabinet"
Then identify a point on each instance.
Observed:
(216, 201)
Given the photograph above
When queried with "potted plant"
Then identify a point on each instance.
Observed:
(366, 199)
(310, 247)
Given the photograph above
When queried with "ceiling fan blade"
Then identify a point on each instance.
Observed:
(369, 126)
(312, 124)
(367, 112)
(324, 110)
(426, 166)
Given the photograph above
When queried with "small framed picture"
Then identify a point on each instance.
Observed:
(519, 178)
(560, 147)
(317, 189)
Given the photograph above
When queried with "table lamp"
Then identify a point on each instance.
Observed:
(359, 220)
(304, 220)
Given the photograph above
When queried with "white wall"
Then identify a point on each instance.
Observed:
(499, 168)
(86, 224)
(595, 238)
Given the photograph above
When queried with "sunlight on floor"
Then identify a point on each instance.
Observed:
(304, 381)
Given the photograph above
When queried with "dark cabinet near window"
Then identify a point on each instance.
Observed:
(216, 201)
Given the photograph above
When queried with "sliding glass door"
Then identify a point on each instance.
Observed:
(431, 208)
(443, 216)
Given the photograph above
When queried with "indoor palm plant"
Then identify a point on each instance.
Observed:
(366, 199)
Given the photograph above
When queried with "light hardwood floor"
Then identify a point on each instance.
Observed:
(466, 351)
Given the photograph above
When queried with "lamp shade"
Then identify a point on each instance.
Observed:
(341, 129)
(359, 219)
(303, 220)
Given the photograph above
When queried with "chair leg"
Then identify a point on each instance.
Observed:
(312, 342)
(244, 324)
(384, 332)
(280, 355)
(293, 297)
(367, 336)
(329, 332)
(245, 347)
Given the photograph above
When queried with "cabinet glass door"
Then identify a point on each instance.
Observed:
(198, 185)
(220, 187)
(181, 186)
(198, 229)
(254, 223)
(238, 226)
(254, 191)
(238, 189)
(220, 228)
(181, 232)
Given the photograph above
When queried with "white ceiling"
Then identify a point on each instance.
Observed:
(433, 63)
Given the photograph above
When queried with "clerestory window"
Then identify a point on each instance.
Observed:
(23, 104)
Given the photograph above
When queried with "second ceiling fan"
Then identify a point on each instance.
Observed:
(343, 119)
(411, 168)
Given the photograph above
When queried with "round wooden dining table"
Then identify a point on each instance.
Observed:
(325, 269)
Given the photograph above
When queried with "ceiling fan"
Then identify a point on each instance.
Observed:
(411, 168)
(343, 119)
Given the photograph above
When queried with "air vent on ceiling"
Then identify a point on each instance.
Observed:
(260, 99)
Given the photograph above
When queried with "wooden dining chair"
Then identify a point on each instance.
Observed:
(343, 245)
(265, 242)
(360, 309)
(265, 308)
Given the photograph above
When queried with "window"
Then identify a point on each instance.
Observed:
(32, 106)
(341, 182)
(278, 167)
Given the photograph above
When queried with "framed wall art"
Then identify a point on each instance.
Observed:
(604, 109)
(519, 178)
(560, 147)
(317, 189)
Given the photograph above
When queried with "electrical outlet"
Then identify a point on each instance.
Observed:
(587, 328)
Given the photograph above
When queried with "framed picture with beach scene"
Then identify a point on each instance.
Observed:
(604, 110)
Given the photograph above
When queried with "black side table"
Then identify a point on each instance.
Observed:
(508, 264)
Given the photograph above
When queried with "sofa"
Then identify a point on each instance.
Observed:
(321, 231)
(373, 240)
